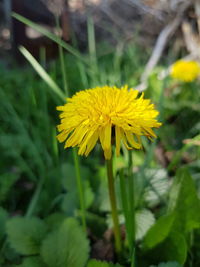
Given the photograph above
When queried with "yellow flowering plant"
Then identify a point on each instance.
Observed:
(94, 114)
(109, 115)
(185, 71)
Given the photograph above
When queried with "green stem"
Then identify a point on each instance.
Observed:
(113, 205)
(35, 198)
(131, 207)
(125, 206)
(62, 62)
(80, 188)
(75, 156)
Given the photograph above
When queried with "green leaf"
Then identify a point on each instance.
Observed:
(96, 263)
(71, 198)
(43, 74)
(184, 202)
(32, 262)
(49, 35)
(26, 234)
(6, 182)
(159, 231)
(173, 248)
(144, 220)
(158, 185)
(54, 220)
(67, 246)
(3, 219)
(167, 264)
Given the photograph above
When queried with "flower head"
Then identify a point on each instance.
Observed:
(186, 71)
(103, 112)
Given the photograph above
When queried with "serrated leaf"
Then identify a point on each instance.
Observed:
(96, 263)
(158, 185)
(54, 220)
(67, 246)
(26, 234)
(184, 202)
(159, 231)
(144, 220)
(167, 264)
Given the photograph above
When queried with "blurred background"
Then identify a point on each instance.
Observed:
(138, 21)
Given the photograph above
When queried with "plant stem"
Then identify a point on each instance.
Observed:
(113, 205)
(34, 200)
(125, 205)
(75, 156)
(62, 62)
(131, 207)
(80, 188)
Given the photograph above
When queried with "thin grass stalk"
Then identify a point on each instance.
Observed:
(125, 206)
(131, 202)
(92, 49)
(35, 197)
(80, 64)
(113, 203)
(51, 36)
(54, 87)
(75, 156)
(62, 62)
(80, 188)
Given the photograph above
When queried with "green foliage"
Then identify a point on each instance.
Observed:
(26, 234)
(71, 199)
(3, 219)
(96, 263)
(173, 248)
(184, 202)
(7, 180)
(66, 246)
(144, 220)
(32, 262)
(159, 231)
(168, 264)
(167, 237)
(38, 176)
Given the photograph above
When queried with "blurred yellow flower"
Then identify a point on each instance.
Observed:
(186, 71)
(106, 114)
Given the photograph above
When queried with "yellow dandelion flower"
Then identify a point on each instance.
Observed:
(186, 71)
(105, 112)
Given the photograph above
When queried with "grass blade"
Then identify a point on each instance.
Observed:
(49, 35)
(43, 74)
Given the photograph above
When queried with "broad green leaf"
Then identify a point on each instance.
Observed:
(184, 202)
(67, 246)
(32, 262)
(43, 74)
(26, 234)
(167, 264)
(173, 248)
(96, 263)
(54, 220)
(159, 231)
